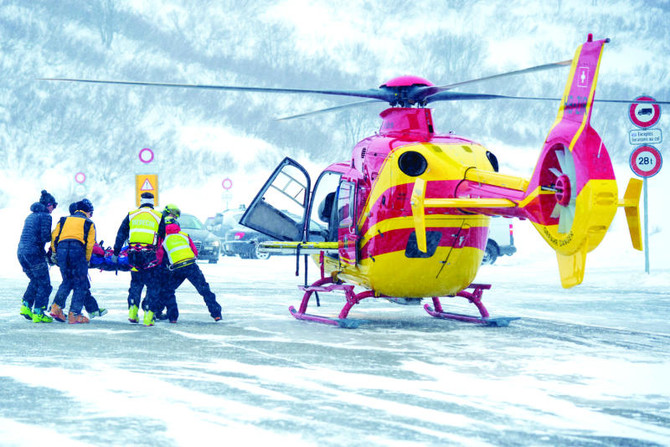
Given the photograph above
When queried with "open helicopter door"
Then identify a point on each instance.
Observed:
(279, 209)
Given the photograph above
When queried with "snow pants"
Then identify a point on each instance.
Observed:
(90, 303)
(71, 256)
(149, 278)
(174, 279)
(39, 288)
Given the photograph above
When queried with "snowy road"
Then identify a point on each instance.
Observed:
(587, 367)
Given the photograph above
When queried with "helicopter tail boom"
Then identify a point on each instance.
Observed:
(572, 196)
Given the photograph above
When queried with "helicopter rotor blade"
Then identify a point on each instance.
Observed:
(330, 109)
(440, 88)
(456, 96)
(381, 95)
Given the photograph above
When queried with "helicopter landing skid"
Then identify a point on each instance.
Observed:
(475, 297)
(327, 285)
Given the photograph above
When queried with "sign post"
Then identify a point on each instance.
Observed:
(646, 160)
(227, 183)
(146, 182)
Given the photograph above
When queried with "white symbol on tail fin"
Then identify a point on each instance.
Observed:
(583, 80)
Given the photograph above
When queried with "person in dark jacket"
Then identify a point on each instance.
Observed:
(72, 240)
(90, 303)
(33, 258)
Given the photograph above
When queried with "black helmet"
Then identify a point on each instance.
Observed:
(85, 205)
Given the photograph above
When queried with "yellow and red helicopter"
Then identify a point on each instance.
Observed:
(406, 218)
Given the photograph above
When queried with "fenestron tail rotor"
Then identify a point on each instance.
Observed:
(566, 200)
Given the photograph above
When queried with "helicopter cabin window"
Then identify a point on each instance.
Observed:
(323, 219)
(345, 205)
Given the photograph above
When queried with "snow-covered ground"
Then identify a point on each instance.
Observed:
(585, 366)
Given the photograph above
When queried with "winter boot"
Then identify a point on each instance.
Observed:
(217, 317)
(40, 317)
(98, 313)
(132, 314)
(148, 318)
(57, 313)
(25, 311)
(73, 318)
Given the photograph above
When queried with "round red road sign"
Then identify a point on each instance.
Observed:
(80, 177)
(146, 155)
(227, 183)
(643, 112)
(646, 161)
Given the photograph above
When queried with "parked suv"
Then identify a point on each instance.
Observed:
(235, 238)
(500, 240)
(208, 244)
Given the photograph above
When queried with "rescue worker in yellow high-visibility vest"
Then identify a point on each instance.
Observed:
(181, 254)
(143, 228)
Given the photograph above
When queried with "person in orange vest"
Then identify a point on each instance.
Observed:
(90, 303)
(72, 241)
(181, 254)
(142, 228)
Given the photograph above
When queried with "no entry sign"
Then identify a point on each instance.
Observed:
(646, 161)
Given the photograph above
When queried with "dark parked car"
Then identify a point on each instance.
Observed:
(208, 244)
(224, 221)
(235, 238)
(244, 241)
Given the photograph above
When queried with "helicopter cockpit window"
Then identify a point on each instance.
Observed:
(323, 224)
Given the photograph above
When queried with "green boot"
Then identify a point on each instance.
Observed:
(40, 317)
(98, 313)
(25, 311)
(132, 314)
(148, 318)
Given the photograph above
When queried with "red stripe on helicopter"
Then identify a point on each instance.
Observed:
(396, 240)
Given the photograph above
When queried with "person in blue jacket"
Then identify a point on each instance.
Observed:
(33, 258)
(90, 303)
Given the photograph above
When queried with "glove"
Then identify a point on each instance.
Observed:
(115, 259)
(53, 259)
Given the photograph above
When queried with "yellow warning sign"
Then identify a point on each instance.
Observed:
(146, 183)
